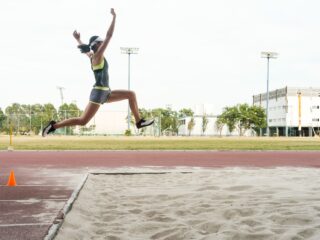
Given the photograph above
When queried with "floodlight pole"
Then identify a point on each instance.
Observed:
(61, 93)
(129, 51)
(268, 55)
(62, 98)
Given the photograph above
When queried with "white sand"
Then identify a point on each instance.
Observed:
(225, 203)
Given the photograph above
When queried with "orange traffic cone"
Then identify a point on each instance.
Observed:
(11, 180)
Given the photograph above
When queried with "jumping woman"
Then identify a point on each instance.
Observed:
(101, 93)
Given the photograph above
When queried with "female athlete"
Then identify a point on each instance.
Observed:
(101, 92)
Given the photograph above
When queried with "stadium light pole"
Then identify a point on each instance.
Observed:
(129, 51)
(62, 98)
(61, 93)
(268, 55)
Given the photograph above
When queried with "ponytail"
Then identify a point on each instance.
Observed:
(84, 48)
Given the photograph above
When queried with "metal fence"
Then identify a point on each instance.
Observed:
(103, 123)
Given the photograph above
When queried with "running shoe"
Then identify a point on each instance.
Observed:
(144, 123)
(48, 129)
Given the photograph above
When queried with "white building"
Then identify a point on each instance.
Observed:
(292, 111)
(201, 110)
(105, 123)
(115, 123)
(211, 130)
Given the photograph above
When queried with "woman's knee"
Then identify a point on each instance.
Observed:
(131, 94)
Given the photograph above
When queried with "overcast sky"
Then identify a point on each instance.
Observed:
(190, 51)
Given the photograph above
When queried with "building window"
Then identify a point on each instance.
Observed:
(315, 119)
(315, 107)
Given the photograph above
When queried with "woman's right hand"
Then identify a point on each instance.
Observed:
(113, 13)
(76, 35)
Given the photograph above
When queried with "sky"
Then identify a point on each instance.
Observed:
(190, 52)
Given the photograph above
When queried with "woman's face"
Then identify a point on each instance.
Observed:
(96, 46)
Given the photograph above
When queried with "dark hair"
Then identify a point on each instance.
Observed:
(84, 48)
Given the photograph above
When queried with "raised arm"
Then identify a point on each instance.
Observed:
(98, 56)
(76, 35)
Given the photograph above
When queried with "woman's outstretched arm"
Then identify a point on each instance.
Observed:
(76, 35)
(98, 56)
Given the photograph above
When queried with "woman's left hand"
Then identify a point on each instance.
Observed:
(76, 35)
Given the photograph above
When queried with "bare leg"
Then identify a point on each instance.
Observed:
(119, 95)
(89, 112)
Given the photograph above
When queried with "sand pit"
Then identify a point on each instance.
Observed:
(225, 203)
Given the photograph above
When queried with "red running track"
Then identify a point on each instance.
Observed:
(80, 159)
(46, 179)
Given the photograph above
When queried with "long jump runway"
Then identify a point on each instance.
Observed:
(46, 179)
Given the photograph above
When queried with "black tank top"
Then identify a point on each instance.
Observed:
(101, 74)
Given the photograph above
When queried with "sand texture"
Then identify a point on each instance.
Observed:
(225, 203)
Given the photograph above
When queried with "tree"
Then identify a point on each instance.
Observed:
(258, 118)
(185, 112)
(29, 118)
(175, 122)
(3, 119)
(36, 115)
(25, 120)
(191, 125)
(230, 117)
(169, 119)
(67, 111)
(41, 115)
(243, 117)
(205, 122)
(251, 118)
(219, 125)
(48, 113)
(13, 112)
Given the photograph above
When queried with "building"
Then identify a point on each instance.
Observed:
(292, 111)
(211, 129)
(105, 123)
(197, 126)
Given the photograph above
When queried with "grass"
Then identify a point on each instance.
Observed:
(154, 143)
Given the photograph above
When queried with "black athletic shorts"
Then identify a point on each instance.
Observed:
(100, 95)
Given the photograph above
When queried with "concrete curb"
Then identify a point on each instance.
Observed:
(57, 223)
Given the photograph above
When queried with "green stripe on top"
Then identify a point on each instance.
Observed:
(101, 74)
(99, 66)
(101, 88)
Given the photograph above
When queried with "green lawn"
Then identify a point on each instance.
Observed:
(154, 143)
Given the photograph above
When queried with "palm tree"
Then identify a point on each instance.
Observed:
(205, 122)
(191, 125)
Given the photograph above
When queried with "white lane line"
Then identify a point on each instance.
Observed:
(25, 224)
(35, 199)
(41, 185)
(53, 230)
